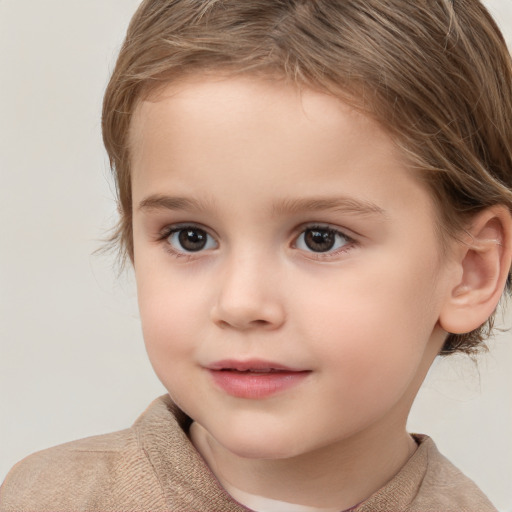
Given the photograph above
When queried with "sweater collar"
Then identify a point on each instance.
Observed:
(162, 434)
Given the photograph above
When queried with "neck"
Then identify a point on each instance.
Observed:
(339, 475)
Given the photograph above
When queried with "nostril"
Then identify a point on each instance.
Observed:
(252, 324)
(260, 323)
(223, 324)
(255, 316)
(235, 323)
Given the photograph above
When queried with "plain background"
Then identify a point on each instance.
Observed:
(72, 360)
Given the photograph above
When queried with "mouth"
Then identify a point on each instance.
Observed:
(252, 370)
(254, 379)
(251, 366)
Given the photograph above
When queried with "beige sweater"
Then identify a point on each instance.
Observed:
(153, 467)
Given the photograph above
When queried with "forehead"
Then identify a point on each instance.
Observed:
(222, 103)
(224, 134)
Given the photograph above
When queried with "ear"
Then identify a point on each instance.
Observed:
(482, 260)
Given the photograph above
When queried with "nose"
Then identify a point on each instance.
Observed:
(249, 296)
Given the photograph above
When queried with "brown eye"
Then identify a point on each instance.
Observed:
(319, 239)
(191, 239)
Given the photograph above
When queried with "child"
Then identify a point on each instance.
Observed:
(315, 198)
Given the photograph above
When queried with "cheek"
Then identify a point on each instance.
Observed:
(167, 324)
(372, 328)
(170, 312)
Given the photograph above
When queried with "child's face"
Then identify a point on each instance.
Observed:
(279, 230)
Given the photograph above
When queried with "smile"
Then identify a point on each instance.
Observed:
(254, 379)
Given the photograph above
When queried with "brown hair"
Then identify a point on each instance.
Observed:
(435, 73)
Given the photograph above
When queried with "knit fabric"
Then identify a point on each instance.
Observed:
(153, 467)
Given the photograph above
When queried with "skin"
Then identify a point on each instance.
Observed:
(362, 318)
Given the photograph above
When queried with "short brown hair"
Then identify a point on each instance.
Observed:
(436, 73)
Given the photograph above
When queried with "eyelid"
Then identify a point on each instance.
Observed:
(170, 229)
(351, 241)
(345, 232)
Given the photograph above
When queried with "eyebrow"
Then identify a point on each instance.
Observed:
(161, 202)
(284, 206)
(337, 204)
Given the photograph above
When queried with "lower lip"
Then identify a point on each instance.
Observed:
(256, 385)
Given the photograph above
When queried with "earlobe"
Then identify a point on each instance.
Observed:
(483, 259)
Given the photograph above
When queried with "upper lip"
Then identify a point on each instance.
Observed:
(251, 364)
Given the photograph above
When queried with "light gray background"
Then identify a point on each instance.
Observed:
(72, 361)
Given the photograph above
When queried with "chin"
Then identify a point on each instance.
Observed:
(260, 443)
(263, 450)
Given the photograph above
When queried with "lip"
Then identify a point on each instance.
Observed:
(255, 378)
(250, 364)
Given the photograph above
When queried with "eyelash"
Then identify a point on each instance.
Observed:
(347, 246)
(349, 241)
(170, 230)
